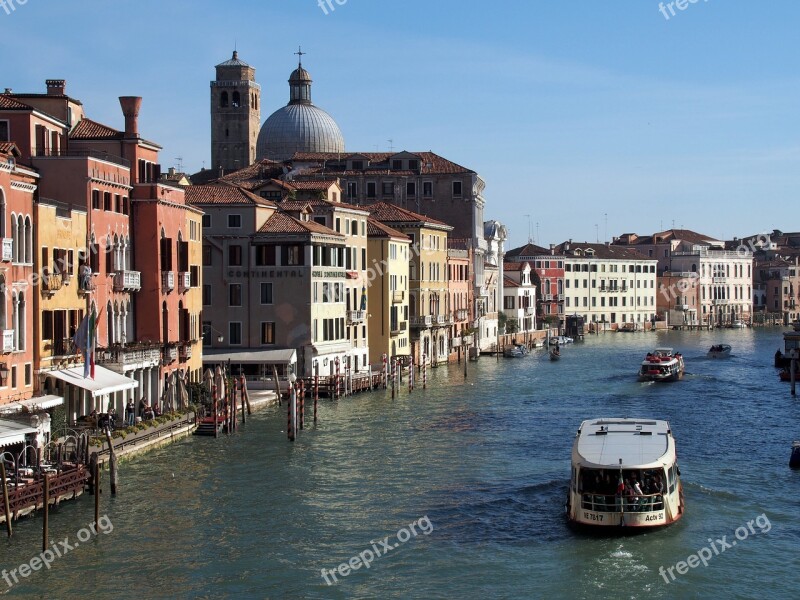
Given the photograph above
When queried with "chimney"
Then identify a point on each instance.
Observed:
(8, 91)
(56, 87)
(130, 108)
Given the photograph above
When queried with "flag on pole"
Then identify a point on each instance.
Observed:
(91, 345)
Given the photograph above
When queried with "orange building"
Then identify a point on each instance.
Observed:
(17, 185)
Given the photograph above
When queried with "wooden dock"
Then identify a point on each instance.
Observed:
(28, 497)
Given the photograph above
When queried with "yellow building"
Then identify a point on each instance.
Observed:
(429, 310)
(388, 252)
(193, 297)
(60, 239)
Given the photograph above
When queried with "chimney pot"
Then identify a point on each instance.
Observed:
(130, 108)
(56, 87)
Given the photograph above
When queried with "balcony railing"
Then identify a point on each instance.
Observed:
(170, 354)
(355, 316)
(168, 280)
(441, 320)
(422, 322)
(127, 281)
(8, 249)
(127, 356)
(399, 327)
(720, 301)
(462, 314)
(86, 286)
(184, 281)
(398, 297)
(8, 340)
(52, 282)
(681, 307)
(186, 351)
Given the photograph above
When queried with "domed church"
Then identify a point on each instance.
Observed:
(299, 126)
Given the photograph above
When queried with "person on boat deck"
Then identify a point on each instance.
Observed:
(639, 498)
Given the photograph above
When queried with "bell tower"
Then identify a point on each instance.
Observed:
(235, 115)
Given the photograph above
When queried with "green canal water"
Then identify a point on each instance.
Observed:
(478, 466)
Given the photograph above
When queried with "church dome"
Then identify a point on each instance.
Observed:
(299, 126)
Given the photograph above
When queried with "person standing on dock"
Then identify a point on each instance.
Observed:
(130, 413)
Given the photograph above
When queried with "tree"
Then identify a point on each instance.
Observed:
(512, 325)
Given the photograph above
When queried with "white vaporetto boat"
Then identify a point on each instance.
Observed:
(624, 474)
(662, 365)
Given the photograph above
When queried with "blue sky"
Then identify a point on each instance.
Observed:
(573, 112)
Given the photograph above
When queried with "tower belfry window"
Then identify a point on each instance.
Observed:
(235, 102)
(223, 100)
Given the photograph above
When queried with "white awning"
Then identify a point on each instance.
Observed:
(104, 382)
(32, 404)
(12, 432)
(260, 357)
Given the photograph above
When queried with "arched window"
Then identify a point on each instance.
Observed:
(116, 254)
(127, 264)
(3, 302)
(165, 322)
(694, 268)
(20, 239)
(14, 243)
(28, 240)
(235, 100)
(128, 322)
(181, 324)
(110, 323)
(2, 213)
(223, 100)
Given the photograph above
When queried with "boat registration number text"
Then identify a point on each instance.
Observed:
(656, 517)
(592, 517)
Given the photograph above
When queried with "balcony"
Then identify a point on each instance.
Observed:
(398, 297)
(86, 286)
(8, 340)
(624, 288)
(8, 249)
(560, 297)
(398, 328)
(184, 281)
(127, 281)
(530, 310)
(462, 314)
(168, 280)
(547, 297)
(52, 282)
(441, 320)
(170, 354)
(681, 307)
(422, 322)
(135, 356)
(186, 351)
(720, 301)
(355, 316)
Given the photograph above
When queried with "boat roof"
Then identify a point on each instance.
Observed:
(668, 350)
(636, 442)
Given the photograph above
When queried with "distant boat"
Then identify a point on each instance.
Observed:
(738, 325)
(560, 340)
(662, 365)
(555, 354)
(516, 351)
(719, 351)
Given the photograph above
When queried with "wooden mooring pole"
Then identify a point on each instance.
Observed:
(316, 390)
(112, 463)
(6, 505)
(241, 391)
(793, 372)
(96, 478)
(302, 393)
(424, 372)
(46, 508)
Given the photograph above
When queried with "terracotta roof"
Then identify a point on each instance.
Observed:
(377, 229)
(256, 175)
(223, 194)
(321, 185)
(319, 203)
(92, 130)
(684, 235)
(383, 211)
(602, 251)
(509, 283)
(9, 103)
(281, 222)
(514, 266)
(527, 250)
(430, 162)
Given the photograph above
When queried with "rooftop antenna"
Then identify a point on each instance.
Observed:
(605, 228)
(179, 163)
(537, 231)
(597, 233)
(391, 145)
(529, 229)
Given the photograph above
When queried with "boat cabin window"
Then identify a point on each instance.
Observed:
(600, 489)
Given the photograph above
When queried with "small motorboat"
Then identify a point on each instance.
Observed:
(516, 351)
(738, 325)
(560, 340)
(786, 374)
(719, 351)
(555, 354)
